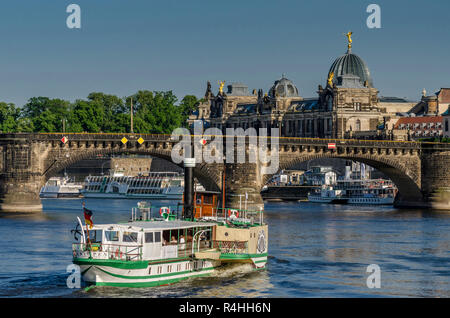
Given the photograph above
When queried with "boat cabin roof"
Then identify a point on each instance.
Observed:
(154, 225)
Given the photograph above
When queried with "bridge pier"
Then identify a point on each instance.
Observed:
(436, 176)
(242, 178)
(20, 193)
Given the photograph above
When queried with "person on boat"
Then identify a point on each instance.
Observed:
(173, 240)
(182, 245)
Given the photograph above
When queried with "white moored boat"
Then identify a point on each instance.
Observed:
(155, 185)
(60, 187)
(356, 191)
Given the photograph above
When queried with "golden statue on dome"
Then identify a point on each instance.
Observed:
(330, 79)
(349, 37)
(221, 84)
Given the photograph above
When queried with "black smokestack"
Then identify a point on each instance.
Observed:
(189, 164)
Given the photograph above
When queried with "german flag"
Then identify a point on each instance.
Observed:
(87, 217)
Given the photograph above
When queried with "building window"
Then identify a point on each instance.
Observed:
(446, 125)
(358, 125)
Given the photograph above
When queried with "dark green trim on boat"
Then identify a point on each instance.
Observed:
(241, 256)
(144, 264)
(112, 263)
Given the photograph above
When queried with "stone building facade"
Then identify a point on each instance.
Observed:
(420, 127)
(348, 103)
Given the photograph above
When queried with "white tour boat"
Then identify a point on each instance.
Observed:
(356, 191)
(155, 185)
(60, 187)
(161, 246)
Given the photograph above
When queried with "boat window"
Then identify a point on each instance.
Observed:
(149, 237)
(51, 182)
(166, 237)
(207, 199)
(157, 237)
(129, 237)
(112, 236)
(175, 183)
(95, 236)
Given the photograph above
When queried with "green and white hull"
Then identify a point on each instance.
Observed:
(146, 274)
(141, 273)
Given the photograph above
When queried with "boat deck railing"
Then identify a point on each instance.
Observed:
(231, 247)
(237, 216)
(168, 251)
(108, 251)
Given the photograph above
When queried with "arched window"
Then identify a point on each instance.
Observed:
(358, 125)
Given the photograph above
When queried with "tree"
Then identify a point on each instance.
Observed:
(156, 112)
(24, 124)
(188, 104)
(8, 117)
(86, 116)
(46, 114)
(112, 107)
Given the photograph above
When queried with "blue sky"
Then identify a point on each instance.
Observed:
(124, 46)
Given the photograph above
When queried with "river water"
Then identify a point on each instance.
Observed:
(315, 250)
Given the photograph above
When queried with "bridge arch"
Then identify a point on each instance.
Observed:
(207, 175)
(404, 177)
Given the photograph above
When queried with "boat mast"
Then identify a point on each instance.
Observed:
(223, 190)
(131, 112)
(189, 164)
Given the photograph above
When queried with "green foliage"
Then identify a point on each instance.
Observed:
(188, 104)
(86, 116)
(46, 114)
(154, 112)
(9, 115)
(111, 106)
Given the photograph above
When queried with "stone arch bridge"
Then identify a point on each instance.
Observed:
(28, 160)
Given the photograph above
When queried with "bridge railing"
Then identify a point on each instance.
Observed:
(303, 141)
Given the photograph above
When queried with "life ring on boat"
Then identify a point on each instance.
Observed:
(233, 212)
(163, 210)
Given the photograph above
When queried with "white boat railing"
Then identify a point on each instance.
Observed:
(235, 215)
(134, 253)
(231, 247)
(107, 251)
